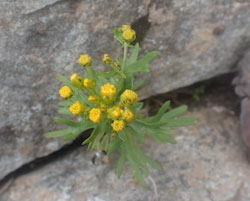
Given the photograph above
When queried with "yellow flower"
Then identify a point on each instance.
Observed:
(118, 125)
(76, 79)
(108, 91)
(89, 83)
(85, 60)
(106, 59)
(114, 112)
(129, 35)
(125, 27)
(95, 115)
(77, 108)
(93, 99)
(128, 115)
(128, 97)
(65, 92)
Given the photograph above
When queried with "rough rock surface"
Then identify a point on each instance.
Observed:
(207, 163)
(197, 40)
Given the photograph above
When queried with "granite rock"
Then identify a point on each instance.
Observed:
(38, 39)
(208, 163)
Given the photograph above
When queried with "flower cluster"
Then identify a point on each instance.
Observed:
(106, 103)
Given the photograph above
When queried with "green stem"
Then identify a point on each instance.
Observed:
(125, 53)
(123, 76)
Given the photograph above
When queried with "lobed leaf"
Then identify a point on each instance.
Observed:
(120, 163)
(58, 133)
(142, 65)
(160, 112)
(174, 112)
(134, 54)
(67, 122)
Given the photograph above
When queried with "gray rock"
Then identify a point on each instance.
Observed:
(38, 39)
(207, 163)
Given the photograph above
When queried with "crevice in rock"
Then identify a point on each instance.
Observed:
(43, 161)
(217, 88)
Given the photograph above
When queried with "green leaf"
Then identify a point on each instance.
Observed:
(67, 122)
(64, 110)
(154, 164)
(160, 112)
(134, 54)
(59, 133)
(161, 135)
(142, 65)
(118, 35)
(122, 135)
(138, 84)
(71, 137)
(64, 80)
(107, 74)
(96, 144)
(120, 163)
(175, 112)
(132, 128)
(114, 144)
(137, 171)
(65, 103)
(164, 138)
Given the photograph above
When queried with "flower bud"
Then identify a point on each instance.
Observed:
(65, 92)
(118, 125)
(106, 59)
(108, 91)
(128, 97)
(77, 108)
(76, 79)
(85, 60)
(95, 115)
(129, 35)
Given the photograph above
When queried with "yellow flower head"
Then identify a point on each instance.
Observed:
(85, 60)
(125, 27)
(118, 125)
(129, 35)
(106, 59)
(77, 108)
(93, 99)
(128, 115)
(128, 97)
(65, 92)
(95, 115)
(114, 112)
(108, 91)
(76, 79)
(89, 83)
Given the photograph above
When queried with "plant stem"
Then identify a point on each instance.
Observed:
(125, 53)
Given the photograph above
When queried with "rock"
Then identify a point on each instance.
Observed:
(242, 89)
(39, 39)
(207, 163)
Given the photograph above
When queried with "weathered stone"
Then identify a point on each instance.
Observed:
(38, 39)
(208, 163)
